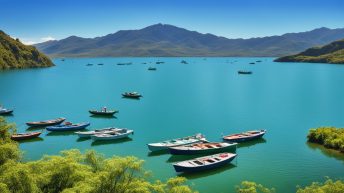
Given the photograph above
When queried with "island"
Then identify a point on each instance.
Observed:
(14, 54)
(332, 53)
(330, 137)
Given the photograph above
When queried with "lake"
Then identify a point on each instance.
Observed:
(206, 96)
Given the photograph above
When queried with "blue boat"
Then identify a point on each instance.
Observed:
(204, 163)
(68, 127)
(245, 136)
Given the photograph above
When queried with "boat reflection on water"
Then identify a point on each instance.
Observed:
(157, 153)
(61, 133)
(251, 143)
(118, 141)
(104, 117)
(31, 140)
(207, 173)
(178, 158)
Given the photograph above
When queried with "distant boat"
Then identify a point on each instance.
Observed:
(258, 61)
(89, 64)
(100, 64)
(128, 63)
(23, 136)
(46, 123)
(159, 62)
(203, 148)
(123, 133)
(135, 95)
(184, 62)
(103, 112)
(4, 111)
(245, 136)
(204, 163)
(87, 134)
(144, 63)
(244, 72)
(151, 68)
(62, 59)
(68, 126)
(252, 63)
(164, 145)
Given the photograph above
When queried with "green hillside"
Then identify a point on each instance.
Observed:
(14, 54)
(331, 53)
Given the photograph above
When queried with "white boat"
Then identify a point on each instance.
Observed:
(86, 134)
(176, 142)
(123, 133)
(204, 163)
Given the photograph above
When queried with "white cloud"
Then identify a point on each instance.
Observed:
(48, 38)
(28, 42)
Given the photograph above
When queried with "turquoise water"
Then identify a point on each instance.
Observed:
(206, 96)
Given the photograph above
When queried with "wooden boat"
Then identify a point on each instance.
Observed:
(252, 63)
(100, 64)
(204, 163)
(258, 61)
(203, 148)
(68, 126)
(159, 62)
(23, 136)
(244, 72)
(89, 64)
(131, 95)
(46, 123)
(184, 62)
(123, 133)
(164, 145)
(151, 68)
(245, 136)
(103, 112)
(4, 111)
(86, 134)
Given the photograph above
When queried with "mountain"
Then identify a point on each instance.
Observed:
(168, 40)
(330, 53)
(14, 54)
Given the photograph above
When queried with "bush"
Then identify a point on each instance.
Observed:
(330, 137)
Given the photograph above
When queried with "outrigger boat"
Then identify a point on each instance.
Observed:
(46, 123)
(203, 148)
(68, 126)
(245, 136)
(123, 133)
(23, 136)
(86, 134)
(204, 163)
(164, 145)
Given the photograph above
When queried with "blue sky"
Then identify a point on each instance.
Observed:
(37, 20)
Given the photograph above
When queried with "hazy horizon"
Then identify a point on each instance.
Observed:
(41, 20)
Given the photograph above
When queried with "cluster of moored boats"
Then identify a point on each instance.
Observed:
(217, 153)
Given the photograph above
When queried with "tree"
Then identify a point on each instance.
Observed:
(253, 187)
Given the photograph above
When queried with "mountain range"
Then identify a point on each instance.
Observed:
(14, 54)
(168, 40)
(330, 53)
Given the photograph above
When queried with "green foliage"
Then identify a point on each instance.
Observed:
(252, 187)
(331, 53)
(74, 172)
(330, 137)
(8, 149)
(328, 186)
(14, 54)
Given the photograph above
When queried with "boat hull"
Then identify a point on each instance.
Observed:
(67, 128)
(153, 147)
(110, 113)
(32, 124)
(179, 168)
(175, 151)
(19, 138)
(6, 112)
(244, 139)
(115, 137)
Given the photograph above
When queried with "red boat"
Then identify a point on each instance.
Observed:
(22, 136)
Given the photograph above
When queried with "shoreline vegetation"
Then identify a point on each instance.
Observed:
(329, 137)
(90, 172)
(14, 54)
(332, 53)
